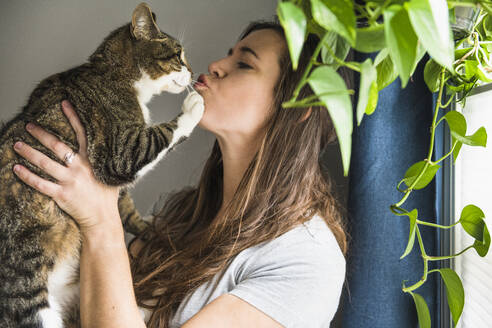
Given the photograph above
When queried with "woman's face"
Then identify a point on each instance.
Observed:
(239, 87)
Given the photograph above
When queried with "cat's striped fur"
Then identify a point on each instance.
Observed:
(39, 243)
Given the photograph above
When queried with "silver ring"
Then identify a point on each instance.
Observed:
(69, 157)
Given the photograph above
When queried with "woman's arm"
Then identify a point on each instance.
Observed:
(106, 290)
(107, 297)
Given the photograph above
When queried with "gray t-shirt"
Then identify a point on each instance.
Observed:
(296, 279)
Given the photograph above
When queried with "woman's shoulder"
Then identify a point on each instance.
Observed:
(309, 245)
(309, 261)
(319, 231)
(314, 234)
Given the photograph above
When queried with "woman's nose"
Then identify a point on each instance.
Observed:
(216, 69)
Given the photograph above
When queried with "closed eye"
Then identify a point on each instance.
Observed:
(243, 65)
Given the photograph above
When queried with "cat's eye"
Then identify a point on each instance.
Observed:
(243, 65)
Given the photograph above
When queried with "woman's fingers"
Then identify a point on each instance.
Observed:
(77, 126)
(46, 187)
(57, 171)
(49, 141)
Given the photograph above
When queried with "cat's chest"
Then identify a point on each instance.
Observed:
(63, 291)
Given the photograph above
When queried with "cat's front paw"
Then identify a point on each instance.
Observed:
(194, 106)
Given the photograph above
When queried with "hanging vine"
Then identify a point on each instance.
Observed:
(401, 32)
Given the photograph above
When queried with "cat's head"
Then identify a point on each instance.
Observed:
(161, 56)
(154, 59)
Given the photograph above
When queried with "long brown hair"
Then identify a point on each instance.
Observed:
(283, 186)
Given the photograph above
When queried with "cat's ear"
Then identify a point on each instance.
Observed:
(143, 25)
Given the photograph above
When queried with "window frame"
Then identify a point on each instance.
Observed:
(445, 180)
(449, 212)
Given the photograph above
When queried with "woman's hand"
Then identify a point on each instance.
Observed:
(77, 191)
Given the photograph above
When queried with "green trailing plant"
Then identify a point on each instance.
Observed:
(401, 32)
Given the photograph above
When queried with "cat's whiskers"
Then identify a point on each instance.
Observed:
(181, 35)
(185, 44)
(190, 88)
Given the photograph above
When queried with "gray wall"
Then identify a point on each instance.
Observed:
(39, 38)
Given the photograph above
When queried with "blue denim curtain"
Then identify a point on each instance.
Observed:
(384, 146)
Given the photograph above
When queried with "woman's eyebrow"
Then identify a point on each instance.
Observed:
(245, 49)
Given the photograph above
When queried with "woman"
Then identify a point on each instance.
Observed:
(260, 242)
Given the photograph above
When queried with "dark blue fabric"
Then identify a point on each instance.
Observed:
(384, 146)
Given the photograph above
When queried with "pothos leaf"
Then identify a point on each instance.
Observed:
(430, 21)
(414, 170)
(325, 80)
(454, 292)
(432, 72)
(335, 15)
(413, 227)
(401, 41)
(338, 45)
(422, 311)
(385, 69)
(293, 21)
(472, 221)
(370, 39)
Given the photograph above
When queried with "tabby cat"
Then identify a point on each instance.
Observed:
(39, 243)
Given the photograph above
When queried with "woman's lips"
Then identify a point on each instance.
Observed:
(201, 82)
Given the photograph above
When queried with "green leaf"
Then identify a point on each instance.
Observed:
(454, 292)
(488, 8)
(458, 53)
(475, 69)
(457, 126)
(293, 21)
(340, 47)
(479, 138)
(373, 97)
(452, 15)
(432, 73)
(414, 170)
(381, 56)
(483, 74)
(326, 79)
(456, 122)
(487, 25)
(420, 54)
(456, 149)
(385, 68)
(411, 238)
(336, 15)
(471, 220)
(401, 41)
(370, 39)
(422, 311)
(368, 90)
(470, 68)
(482, 247)
(314, 28)
(430, 21)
